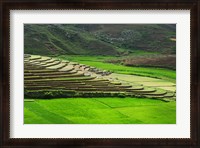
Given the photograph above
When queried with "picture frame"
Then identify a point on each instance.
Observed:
(192, 5)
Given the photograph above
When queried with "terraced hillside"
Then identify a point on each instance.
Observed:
(46, 77)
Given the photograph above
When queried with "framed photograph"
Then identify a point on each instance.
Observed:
(100, 73)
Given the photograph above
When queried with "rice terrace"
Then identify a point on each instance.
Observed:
(99, 73)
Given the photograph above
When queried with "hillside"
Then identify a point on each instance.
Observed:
(98, 39)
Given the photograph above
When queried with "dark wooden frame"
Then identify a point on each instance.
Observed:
(192, 5)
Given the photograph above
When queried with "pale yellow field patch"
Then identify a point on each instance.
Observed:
(145, 81)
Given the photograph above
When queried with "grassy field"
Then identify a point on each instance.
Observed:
(98, 61)
(99, 110)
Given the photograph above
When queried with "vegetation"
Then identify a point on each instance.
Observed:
(161, 61)
(99, 111)
(98, 61)
(85, 39)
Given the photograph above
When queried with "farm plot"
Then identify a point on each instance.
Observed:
(50, 78)
(100, 111)
(146, 81)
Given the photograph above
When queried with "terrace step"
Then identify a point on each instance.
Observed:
(43, 88)
(39, 71)
(55, 73)
(83, 79)
(58, 75)
(53, 76)
(59, 66)
(33, 68)
(67, 68)
(169, 95)
(156, 93)
(42, 59)
(34, 58)
(54, 84)
(51, 64)
(48, 62)
(35, 62)
(27, 55)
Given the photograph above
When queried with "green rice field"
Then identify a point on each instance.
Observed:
(98, 61)
(99, 111)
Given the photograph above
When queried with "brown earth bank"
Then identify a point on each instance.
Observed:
(162, 61)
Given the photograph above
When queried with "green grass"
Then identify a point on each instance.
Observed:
(98, 61)
(99, 111)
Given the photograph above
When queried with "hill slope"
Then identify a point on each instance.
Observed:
(98, 39)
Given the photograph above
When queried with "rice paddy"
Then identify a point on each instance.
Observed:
(64, 91)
